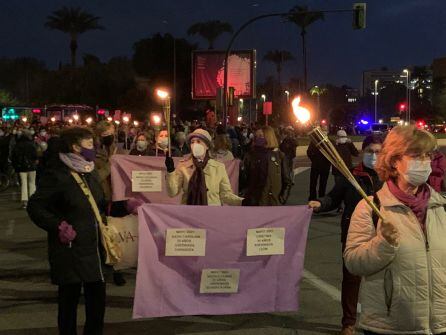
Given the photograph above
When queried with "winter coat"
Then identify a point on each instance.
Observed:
(265, 187)
(24, 156)
(223, 155)
(59, 198)
(219, 189)
(343, 191)
(403, 290)
(318, 160)
(438, 165)
(346, 151)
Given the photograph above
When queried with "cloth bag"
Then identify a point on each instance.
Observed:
(109, 235)
(127, 230)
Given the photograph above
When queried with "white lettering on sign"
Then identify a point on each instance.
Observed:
(219, 280)
(265, 241)
(185, 242)
(146, 181)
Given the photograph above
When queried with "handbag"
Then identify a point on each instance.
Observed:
(109, 234)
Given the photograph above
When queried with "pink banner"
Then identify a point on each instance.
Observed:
(121, 177)
(170, 285)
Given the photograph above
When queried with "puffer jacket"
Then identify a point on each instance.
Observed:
(403, 290)
(219, 189)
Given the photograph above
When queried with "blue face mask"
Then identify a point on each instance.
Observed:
(369, 160)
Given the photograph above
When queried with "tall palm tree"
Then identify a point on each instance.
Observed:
(73, 21)
(210, 30)
(302, 17)
(278, 57)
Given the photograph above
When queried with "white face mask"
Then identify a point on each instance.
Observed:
(43, 146)
(342, 140)
(369, 160)
(163, 142)
(43, 133)
(198, 150)
(141, 145)
(418, 172)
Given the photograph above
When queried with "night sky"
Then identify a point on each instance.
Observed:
(399, 33)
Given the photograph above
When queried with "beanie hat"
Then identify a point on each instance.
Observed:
(372, 139)
(341, 133)
(202, 135)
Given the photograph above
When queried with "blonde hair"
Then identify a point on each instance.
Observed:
(400, 141)
(270, 137)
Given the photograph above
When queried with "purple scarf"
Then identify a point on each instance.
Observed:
(416, 202)
(197, 190)
(76, 162)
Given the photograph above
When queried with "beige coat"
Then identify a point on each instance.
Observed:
(217, 182)
(403, 289)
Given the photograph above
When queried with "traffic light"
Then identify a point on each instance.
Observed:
(359, 10)
(402, 107)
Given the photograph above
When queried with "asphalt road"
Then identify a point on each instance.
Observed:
(28, 303)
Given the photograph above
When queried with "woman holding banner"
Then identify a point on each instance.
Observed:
(402, 259)
(203, 180)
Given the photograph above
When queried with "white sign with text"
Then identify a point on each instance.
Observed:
(185, 242)
(265, 241)
(219, 280)
(146, 181)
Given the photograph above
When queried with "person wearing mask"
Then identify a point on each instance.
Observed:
(320, 170)
(60, 207)
(222, 148)
(141, 146)
(438, 165)
(346, 150)
(24, 161)
(201, 179)
(401, 259)
(344, 192)
(180, 144)
(162, 146)
(266, 170)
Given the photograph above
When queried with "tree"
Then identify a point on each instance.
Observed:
(6, 99)
(278, 57)
(72, 21)
(302, 17)
(318, 91)
(210, 30)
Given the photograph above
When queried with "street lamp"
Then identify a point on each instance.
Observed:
(136, 123)
(53, 119)
(263, 97)
(376, 99)
(406, 71)
(89, 120)
(287, 96)
(76, 117)
(165, 98)
(24, 119)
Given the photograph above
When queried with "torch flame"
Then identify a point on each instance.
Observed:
(301, 113)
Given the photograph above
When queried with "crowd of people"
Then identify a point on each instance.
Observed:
(396, 264)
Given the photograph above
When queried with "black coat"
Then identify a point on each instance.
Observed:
(24, 156)
(343, 191)
(318, 160)
(346, 151)
(59, 198)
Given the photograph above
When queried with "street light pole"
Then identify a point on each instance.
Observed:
(376, 100)
(406, 71)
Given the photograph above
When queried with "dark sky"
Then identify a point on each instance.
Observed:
(399, 33)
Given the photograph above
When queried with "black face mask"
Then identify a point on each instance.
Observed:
(108, 140)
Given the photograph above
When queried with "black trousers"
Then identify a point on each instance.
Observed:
(94, 295)
(322, 175)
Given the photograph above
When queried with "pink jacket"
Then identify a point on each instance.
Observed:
(438, 165)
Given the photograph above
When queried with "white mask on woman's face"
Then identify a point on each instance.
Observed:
(418, 171)
(141, 145)
(198, 150)
(163, 142)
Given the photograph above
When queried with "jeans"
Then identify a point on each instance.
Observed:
(94, 294)
(28, 183)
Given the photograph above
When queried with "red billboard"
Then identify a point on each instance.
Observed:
(208, 73)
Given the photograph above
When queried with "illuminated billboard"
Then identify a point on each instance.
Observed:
(208, 73)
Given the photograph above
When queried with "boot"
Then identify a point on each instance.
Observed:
(348, 330)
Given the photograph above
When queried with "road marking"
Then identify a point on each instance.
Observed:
(300, 170)
(323, 286)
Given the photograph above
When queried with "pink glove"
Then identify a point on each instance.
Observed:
(66, 233)
(132, 205)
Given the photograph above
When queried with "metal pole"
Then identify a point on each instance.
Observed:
(174, 93)
(408, 93)
(376, 101)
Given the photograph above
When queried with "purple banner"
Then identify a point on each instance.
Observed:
(121, 177)
(170, 285)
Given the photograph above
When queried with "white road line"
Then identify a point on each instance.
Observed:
(300, 170)
(323, 286)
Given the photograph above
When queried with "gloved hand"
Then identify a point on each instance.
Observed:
(170, 166)
(66, 233)
(132, 205)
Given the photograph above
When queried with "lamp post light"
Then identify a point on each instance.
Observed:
(376, 99)
(24, 119)
(136, 123)
(89, 120)
(263, 97)
(287, 96)
(407, 72)
(165, 98)
(53, 119)
(76, 118)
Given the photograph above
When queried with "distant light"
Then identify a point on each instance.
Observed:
(263, 96)
(136, 123)
(109, 119)
(239, 119)
(364, 122)
(156, 119)
(70, 121)
(53, 119)
(76, 117)
(101, 111)
(89, 120)
(324, 121)
(36, 111)
(162, 94)
(117, 122)
(24, 119)
(125, 119)
(380, 121)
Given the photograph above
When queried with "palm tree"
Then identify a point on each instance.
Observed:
(73, 21)
(278, 57)
(318, 91)
(210, 30)
(302, 17)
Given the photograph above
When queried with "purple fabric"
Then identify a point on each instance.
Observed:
(121, 177)
(417, 203)
(133, 204)
(76, 162)
(168, 286)
(66, 232)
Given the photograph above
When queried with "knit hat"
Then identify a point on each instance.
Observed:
(341, 133)
(202, 135)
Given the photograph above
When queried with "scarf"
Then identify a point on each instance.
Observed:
(197, 190)
(76, 162)
(416, 202)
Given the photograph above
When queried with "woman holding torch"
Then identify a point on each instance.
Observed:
(402, 259)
